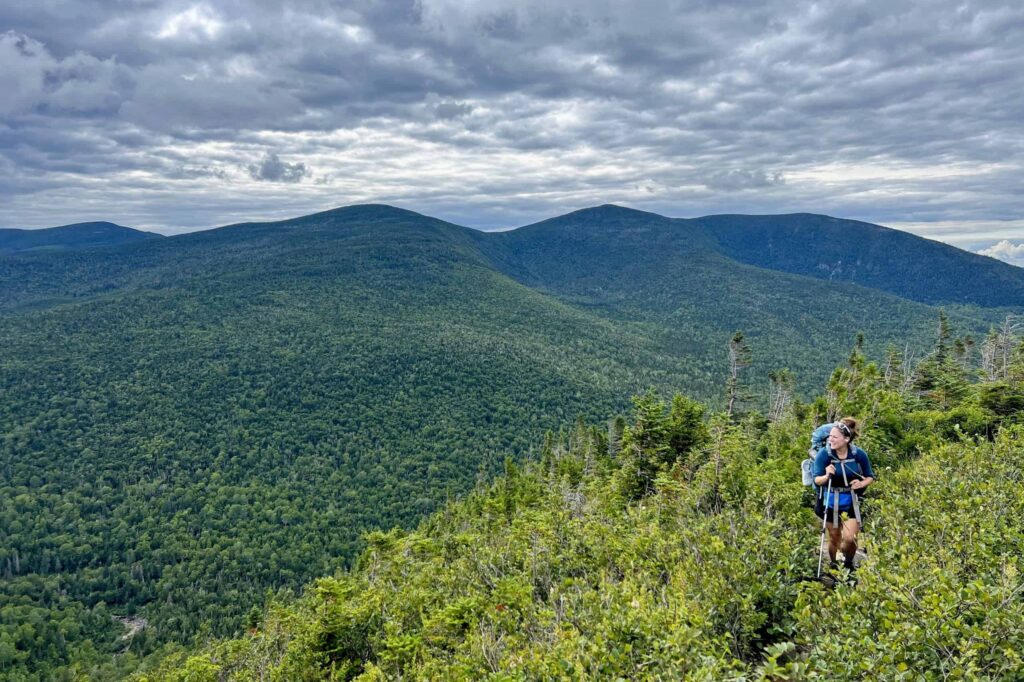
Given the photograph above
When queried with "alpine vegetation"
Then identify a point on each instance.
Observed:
(679, 544)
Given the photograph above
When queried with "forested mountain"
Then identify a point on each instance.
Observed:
(190, 421)
(635, 266)
(77, 236)
(870, 255)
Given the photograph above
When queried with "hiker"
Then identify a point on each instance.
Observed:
(841, 472)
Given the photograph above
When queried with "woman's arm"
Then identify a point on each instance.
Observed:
(821, 480)
(862, 483)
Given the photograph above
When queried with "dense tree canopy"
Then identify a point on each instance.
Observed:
(190, 425)
(553, 574)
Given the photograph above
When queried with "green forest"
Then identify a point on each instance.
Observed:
(194, 427)
(677, 544)
(673, 543)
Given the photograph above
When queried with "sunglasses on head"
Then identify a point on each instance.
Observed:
(844, 429)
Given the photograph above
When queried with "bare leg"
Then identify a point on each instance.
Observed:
(835, 538)
(849, 540)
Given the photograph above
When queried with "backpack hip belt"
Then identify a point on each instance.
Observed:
(835, 504)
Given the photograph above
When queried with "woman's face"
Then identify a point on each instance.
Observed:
(836, 439)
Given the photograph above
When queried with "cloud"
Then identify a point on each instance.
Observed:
(742, 179)
(496, 111)
(452, 110)
(198, 22)
(1007, 251)
(273, 169)
(33, 81)
(185, 171)
(24, 64)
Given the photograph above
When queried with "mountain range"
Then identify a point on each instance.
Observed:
(811, 245)
(177, 411)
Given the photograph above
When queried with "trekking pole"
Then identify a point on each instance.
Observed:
(824, 522)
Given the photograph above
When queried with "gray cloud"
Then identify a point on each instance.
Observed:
(33, 81)
(452, 110)
(738, 179)
(501, 111)
(272, 168)
(199, 172)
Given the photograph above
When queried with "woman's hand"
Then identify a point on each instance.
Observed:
(830, 470)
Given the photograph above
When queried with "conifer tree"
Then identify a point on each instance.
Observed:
(645, 447)
(615, 428)
(687, 429)
(739, 359)
(940, 378)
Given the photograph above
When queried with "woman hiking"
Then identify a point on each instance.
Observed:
(841, 471)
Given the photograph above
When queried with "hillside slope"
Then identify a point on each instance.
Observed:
(70, 237)
(632, 266)
(549, 574)
(870, 255)
(293, 402)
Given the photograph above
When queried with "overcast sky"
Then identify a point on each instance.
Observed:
(174, 116)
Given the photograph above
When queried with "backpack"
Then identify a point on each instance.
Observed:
(819, 437)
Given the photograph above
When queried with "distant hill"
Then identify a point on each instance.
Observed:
(577, 253)
(192, 420)
(70, 237)
(870, 255)
(581, 250)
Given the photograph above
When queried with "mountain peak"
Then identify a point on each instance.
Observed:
(361, 214)
(368, 212)
(70, 237)
(609, 216)
(613, 212)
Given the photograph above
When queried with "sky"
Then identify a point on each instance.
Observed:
(173, 116)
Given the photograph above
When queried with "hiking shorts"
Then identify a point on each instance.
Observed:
(844, 514)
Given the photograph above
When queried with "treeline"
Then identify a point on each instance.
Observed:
(678, 544)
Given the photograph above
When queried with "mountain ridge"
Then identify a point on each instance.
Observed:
(876, 256)
(807, 244)
(70, 237)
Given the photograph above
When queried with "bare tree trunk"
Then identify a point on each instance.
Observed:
(739, 358)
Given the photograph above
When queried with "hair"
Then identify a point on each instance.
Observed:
(853, 425)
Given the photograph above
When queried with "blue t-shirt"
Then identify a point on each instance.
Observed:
(856, 465)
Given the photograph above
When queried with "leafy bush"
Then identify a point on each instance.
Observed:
(708, 577)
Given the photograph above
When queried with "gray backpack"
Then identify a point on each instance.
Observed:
(819, 438)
